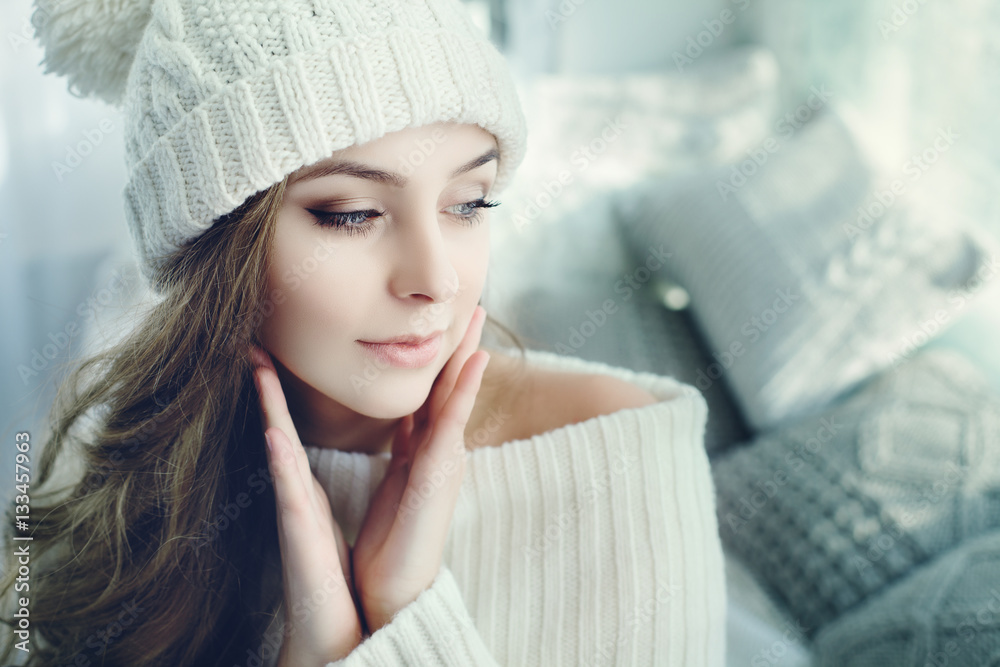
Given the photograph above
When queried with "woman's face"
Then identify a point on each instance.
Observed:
(409, 258)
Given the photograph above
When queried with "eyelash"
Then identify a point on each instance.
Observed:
(358, 222)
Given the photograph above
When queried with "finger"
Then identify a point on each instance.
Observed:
(294, 504)
(444, 453)
(272, 397)
(343, 549)
(454, 415)
(446, 380)
(401, 441)
(421, 418)
(384, 505)
(275, 409)
(306, 564)
(346, 564)
(402, 452)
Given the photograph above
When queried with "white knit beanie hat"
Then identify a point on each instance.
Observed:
(223, 98)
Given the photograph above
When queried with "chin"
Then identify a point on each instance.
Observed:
(393, 394)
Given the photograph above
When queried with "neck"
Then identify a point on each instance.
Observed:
(323, 423)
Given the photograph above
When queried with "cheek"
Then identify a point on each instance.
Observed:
(320, 302)
(472, 265)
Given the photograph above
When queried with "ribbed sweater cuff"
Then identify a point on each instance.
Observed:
(434, 629)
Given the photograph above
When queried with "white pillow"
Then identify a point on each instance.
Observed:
(800, 292)
(589, 136)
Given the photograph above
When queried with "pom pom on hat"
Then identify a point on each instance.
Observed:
(92, 42)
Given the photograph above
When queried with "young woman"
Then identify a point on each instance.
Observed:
(309, 193)
(396, 254)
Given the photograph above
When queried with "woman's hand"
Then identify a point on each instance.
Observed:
(316, 560)
(400, 544)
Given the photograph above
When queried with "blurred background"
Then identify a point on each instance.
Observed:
(701, 85)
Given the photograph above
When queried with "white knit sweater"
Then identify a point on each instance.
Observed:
(591, 544)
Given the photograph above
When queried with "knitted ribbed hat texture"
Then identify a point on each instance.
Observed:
(222, 99)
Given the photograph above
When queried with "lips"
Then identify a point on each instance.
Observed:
(411, 339)
(412, 352)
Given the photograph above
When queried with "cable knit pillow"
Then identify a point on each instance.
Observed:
(946, 613)
(559, 256)
(834, 508)
(808, 272)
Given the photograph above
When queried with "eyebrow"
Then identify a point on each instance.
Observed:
(361, 170)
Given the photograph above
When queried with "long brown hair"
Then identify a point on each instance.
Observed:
(156, 553)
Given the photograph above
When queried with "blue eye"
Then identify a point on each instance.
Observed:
(351, 222)
(474, 209)
(359, 222)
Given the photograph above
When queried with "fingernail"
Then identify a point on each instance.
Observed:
(270, 445)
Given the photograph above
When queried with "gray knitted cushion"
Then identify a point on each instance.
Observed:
(945, 613)
(636, 332)
(801, 293)
(834, 508)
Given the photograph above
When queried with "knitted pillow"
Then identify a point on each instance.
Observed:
(811, 273)
(592, 135)
(632, 329)
(944, 613)
(834, 508)
(558, 255)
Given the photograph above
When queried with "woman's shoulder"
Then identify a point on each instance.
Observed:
(541, 392)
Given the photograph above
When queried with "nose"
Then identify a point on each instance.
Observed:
(423, 268)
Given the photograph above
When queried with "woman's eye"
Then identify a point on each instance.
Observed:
(359, 222)
(352, 222)
(473, 210)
